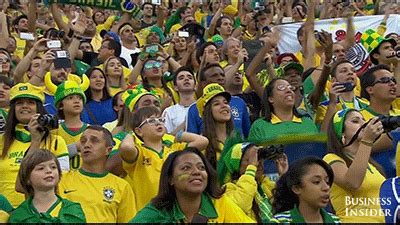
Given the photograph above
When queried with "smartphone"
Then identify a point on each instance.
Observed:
(62, 60)
(347, 86)
(27, 36)
(152, 49)
(156, 2)
(184, 34)
(53, 44)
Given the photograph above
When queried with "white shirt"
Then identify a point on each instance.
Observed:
(174, 116)
(126, 54)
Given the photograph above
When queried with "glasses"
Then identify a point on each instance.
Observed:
(153, 64)
(283, 87)
(153, 121)
(385, 80)
(4, 61)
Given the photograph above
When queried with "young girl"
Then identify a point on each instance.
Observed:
(357, 176)
(214, 108)
(302, 193)
(99, 102)
(145, 159)
(24, 135)
(39, 174)
(189, 193)
(115, 75)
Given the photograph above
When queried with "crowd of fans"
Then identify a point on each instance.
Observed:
(174, 111)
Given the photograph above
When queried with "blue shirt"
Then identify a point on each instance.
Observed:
(102, 112)
(240, 117)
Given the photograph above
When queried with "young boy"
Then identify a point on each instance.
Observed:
(143, 162)
(69, 99)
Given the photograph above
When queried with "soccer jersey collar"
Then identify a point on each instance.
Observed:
(275, 119)
(298, 218)
(206, 209)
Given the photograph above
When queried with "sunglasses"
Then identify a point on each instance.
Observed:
(153, 121)
(385, 80)
(153, 64)
(283, 87)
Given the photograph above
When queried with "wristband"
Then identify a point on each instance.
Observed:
(78, 37)
(369, 144)
(70, 33)
(166, 59)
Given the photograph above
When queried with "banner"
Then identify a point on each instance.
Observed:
(105, 4)
(337, 27)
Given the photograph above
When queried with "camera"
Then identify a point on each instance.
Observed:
(397, 52)
(47, 121)
(270, 152)
(389, 123)
(55, 34)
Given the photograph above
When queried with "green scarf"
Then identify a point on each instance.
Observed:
(21, 134)
(264, 204)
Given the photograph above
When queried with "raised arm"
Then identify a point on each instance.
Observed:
(55, 11)
(3, 30)
(211, 29)
(352, 177)
(32, 16)
(194, 140)
(128, 150)
(24, 64)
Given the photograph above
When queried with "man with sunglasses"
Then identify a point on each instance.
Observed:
(128, 43)
(379, 87)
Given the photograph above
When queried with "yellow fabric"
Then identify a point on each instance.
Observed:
(90, 192)
(275, 119)
(299, 56)
(147, 170)
(67, 135)
(175, 28)
(22, 90)
(4, 216)
(369, 190)
(321, 111)
(114, 90)
(9, 166)
(396, 104)
(243, 191)
(198, 16)
(106, 25)
(96, 42)
(229, 212)
(20, 44)
(111, 125)
(56, 210)
(368, 115)
(246, 83)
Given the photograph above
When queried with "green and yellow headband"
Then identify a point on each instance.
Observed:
(338, 122)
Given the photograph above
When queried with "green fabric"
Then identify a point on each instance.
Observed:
(150, 214)
(81, 67)
(294, 216)
(89, 174)
(21, 134)
(264, 204)
(70, 212)
(5, 204)
(263, 132)
(231, 156)
(338, 122)
(172, 20)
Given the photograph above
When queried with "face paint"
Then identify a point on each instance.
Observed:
(183, 176)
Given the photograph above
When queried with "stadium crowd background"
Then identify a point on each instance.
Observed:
(190, 111)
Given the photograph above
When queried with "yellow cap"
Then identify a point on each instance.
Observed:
(209, 92)
(27, 90)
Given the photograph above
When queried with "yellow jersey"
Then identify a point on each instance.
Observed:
(363, 205)
(105, 198)
(144, 174)
(9, 165)
(20, 44)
